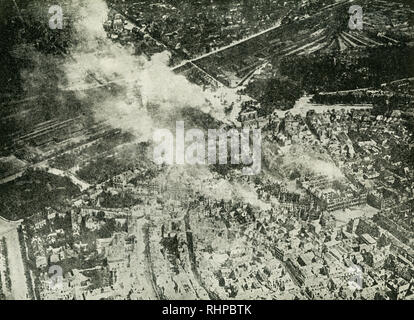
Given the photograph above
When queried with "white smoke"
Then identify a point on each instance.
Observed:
(95, 58)
(145, 82)
(305, 160)
(211, 185)
(323, 167)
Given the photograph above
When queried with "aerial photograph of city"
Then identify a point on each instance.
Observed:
(206, 150)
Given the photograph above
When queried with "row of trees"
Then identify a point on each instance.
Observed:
(23, 250)
(396, 101)
(5, 254)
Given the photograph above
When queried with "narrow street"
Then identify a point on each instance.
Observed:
(149, 268)
(190, 244)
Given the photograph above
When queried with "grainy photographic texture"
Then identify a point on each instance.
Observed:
(220, 149)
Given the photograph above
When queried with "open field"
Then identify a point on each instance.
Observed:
(14, 260)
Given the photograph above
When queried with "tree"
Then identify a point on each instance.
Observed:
(382, 241)
(275, 93)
